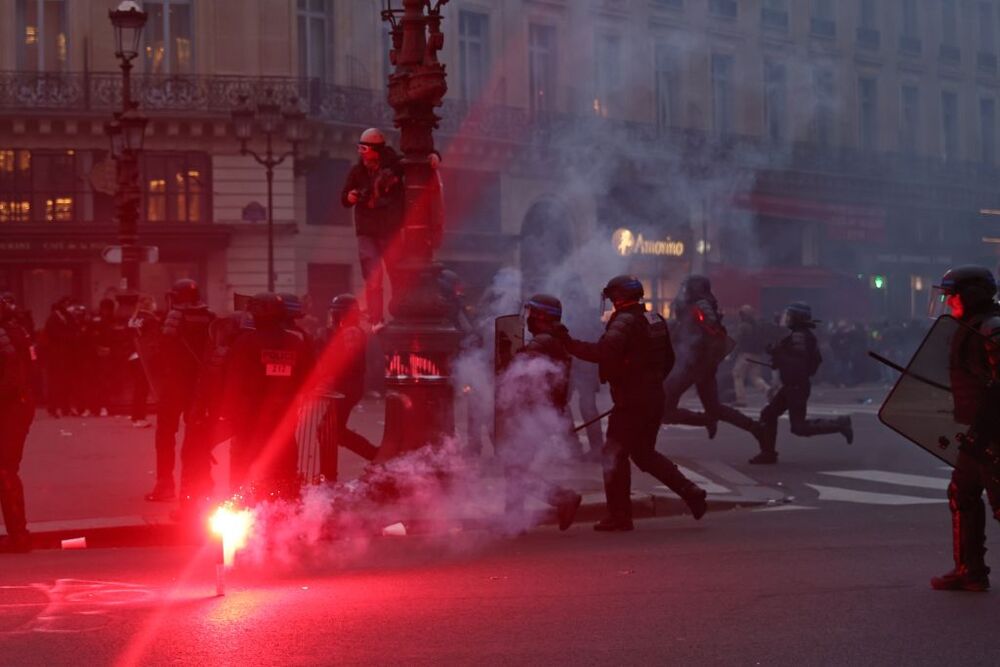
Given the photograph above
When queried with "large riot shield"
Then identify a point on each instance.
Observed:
(508, 339)
(920, 406)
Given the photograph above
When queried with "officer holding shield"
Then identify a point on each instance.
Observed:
(969, 292)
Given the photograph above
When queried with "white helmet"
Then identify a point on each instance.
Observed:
(372, 137)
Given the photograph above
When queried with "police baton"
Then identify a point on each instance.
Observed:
(593, 421)
(760, 363)
(896, 367)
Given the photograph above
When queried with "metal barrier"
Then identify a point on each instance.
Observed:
(317, 437)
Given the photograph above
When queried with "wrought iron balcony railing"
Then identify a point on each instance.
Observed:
(215, 96)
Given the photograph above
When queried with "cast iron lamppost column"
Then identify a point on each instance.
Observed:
(268, 116)
(422, 338)
(126, 133)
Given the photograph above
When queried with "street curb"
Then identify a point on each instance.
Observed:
(100, 535)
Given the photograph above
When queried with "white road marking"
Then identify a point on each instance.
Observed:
(887, 477)
(709, 485)
(870, 498)
(784, 508)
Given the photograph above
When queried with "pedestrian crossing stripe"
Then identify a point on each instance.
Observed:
(897, 478)
(784, 508)
(869, 497)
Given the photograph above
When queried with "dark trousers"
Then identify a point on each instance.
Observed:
(632, 431)
(374, 253)
(335, 433)
(169, 411)
(794, 399)
(704, 382)
(968, 513)
(140, 389)
(15, 421)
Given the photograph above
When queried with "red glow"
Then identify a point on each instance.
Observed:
(955, 306)
(414, 366)
(700, 315)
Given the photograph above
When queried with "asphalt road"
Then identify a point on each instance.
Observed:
(837, 575)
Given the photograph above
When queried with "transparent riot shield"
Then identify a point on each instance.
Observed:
(920, 406)
(508, 339)
(148, 349)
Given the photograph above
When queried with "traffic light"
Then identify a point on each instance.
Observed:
(878, 282)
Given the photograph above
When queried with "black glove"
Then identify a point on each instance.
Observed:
(561, 333)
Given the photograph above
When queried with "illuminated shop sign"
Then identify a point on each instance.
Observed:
(628, 243)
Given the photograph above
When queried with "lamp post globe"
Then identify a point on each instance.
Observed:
(128, 20)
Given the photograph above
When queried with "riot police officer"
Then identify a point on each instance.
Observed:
(544, 315)
(970, 294)
(267, 368)
(206, 419)
(796, 357)
(634, 355)
(17, 411)
(341, 371)
(701, 343)
(183, 344)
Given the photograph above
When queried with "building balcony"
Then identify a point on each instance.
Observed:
(910, 45)
(774, 18)
(949, 54)
(869, 38)
(986, 62)
(819, 27)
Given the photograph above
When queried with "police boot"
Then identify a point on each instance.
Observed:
(968, 550)
(614, 524)
(846, 429)
(767, 437)
(566, 503)
(696, 499)
(18, 538)
(163, 492)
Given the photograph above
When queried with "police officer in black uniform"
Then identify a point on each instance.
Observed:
(184, 344)
(544, 315)
(970, 293)
(634, 356)
(17, 411)
(267, 368)
(701, 343)
(796, 357)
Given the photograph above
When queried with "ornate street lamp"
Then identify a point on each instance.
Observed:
(269, 117)
(126, 134)
(422, 338)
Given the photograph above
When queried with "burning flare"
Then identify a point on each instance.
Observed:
(233, 527)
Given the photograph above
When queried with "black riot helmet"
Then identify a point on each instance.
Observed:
(543, 312)
(184, 292)
(975, 287)
(267, 309)
(798, 315)
(344, 307)
(622, 291)
(695, 288)
(293, 305)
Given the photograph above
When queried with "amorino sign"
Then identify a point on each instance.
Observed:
(627, 242)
